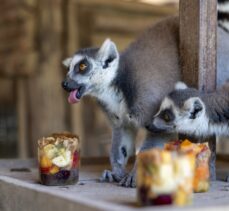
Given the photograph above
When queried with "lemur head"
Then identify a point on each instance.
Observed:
(91, 70)
(181, 111)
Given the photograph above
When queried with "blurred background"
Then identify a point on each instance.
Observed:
(35, 36)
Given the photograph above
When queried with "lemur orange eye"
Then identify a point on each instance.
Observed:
(82, 67)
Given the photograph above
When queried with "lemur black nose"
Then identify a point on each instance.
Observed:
(153, 128)
(65, 85)
(147, 126)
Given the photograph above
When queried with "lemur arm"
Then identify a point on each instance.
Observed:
(152, 140)
(121, 149)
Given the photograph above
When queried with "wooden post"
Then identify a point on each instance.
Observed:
(47, 111)
(22, 118)
(198, 29)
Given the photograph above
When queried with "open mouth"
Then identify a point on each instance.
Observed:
(75, 95)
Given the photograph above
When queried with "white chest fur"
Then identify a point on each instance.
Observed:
(115, 104)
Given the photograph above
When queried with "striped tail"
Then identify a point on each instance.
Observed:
(223, 14)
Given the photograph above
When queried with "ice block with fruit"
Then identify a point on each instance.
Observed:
(164, 177)
(202, 153)
(58, 157)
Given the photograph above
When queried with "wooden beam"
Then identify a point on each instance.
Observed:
(18, 56)
(198, 21)
(198, 30)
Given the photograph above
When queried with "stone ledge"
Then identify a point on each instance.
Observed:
(20, 191)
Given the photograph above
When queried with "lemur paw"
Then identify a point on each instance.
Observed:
(129, 180)
(107, 176)
(110, 176)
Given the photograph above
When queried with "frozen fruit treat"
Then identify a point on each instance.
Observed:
(58, 157)
(164, 177)
(202, 154)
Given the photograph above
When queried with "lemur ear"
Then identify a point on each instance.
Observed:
(67, 62)
(194, 106)
(180, 85)
(107, 53)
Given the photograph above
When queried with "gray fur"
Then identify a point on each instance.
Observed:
(146, 71)
(223, 14)
(142, 73)
(216, 103)
(181, 95)
(91, 52)
(217, 106)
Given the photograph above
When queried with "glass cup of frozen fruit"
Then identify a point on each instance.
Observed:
(202, 154)
(58, 157)
(164, 177)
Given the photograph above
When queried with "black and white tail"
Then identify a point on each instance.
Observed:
(223, 14)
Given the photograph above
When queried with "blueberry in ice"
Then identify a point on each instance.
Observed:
(63, 174)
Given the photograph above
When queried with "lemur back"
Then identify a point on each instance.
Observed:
(150, 66)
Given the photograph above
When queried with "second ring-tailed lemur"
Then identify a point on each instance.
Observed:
(189, 111)
(130, 86)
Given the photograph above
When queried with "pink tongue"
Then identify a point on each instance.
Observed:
(72, 97)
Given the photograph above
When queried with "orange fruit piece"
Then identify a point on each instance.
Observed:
(45, 162)
(54, 170)
(202, 172)
(186, 143)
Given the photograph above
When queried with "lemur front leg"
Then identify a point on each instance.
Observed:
(122, 148)
(152, 140)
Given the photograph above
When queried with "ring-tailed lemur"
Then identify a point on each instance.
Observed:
(189, 111)
(130, 86)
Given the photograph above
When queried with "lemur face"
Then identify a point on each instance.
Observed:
(90, 70)
(181, 111)
(164, 120)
